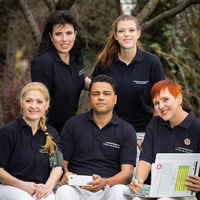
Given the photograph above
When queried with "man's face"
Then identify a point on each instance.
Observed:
(102, 97)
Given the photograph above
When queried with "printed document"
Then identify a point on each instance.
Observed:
(168, 175)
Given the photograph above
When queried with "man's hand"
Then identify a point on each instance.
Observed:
(136, 187)
(97, 184)
(65, 178)
(194, 184)
(42, 191)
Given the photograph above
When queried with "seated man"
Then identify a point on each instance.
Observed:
(101, 144)
(175, 128)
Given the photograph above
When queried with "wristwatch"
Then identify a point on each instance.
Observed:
(107, 186)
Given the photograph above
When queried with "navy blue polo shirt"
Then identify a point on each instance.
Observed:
(21, 153)
(161, 138)
(134, 83)
(91, 150)
(64, 83)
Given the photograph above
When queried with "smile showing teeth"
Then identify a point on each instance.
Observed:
(164, 112)
(64, 45)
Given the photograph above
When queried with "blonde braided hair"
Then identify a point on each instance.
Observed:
(50, 145)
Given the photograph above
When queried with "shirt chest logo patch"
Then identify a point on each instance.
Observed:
(140, 82)
(183, 150)
(80, 72)
(187, 141)
(41, 151)
(111, 144)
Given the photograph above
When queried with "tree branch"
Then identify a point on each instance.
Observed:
(168, 14)
(35, 32)
(51, 4)
(64, 4)
(147, 10)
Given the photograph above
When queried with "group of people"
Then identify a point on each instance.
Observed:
(37, 152)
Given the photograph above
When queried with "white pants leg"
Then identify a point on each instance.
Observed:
(116, 193)
(166, 198)
(12, 193)
(67, 192)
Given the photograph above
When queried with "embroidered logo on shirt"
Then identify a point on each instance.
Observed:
(183, 150)
(41, 151)
(187, 141)
(140, 82)
(111, 144)
(80, 72)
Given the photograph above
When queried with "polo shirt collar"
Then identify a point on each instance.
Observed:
(139, 56)
(186, 123)
(22, 121)
(56, 56)
(114, 120)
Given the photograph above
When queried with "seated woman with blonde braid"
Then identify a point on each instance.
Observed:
(27, 146)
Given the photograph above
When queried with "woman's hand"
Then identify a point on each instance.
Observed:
(136, 187)
(29, 187)
(194, 184)
(42, 191)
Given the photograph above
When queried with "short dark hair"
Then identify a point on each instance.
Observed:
(104, 78)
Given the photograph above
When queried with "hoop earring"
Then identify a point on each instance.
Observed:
(47, 111)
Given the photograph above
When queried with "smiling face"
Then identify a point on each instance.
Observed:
(34, 106)
(167, 106)
(102, 98)
(127, 34)
(63, 37)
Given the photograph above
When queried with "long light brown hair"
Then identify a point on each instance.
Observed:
(112, 47)
(50, 146)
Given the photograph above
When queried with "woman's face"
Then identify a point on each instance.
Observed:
(127, 34)
(63, 37)
(34, 105)
(167, 106)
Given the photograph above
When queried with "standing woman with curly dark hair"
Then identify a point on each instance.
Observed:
(59, 65)
(27, 145)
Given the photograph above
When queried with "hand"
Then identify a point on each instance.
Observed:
(65, 178)
(136, 187)
(97, 184)
(194, 184)
(29, 187)
(42, 191)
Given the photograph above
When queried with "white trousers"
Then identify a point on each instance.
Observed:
(12, 193)
(67, 192)
(166, 198)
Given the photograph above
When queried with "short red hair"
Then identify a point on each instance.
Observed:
(174, 88)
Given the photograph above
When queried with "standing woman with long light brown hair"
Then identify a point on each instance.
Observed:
(26, 146)
(134, 70)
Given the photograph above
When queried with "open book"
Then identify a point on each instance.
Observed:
(168, 175)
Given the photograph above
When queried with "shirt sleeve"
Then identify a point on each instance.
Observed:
(128, 149)
(67, 140)
(6, 147)
(42, 71)
(157, 73)
(147, 147)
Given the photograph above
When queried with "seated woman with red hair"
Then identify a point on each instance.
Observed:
(174, 129)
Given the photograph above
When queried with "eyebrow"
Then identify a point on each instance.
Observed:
(103, 91)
